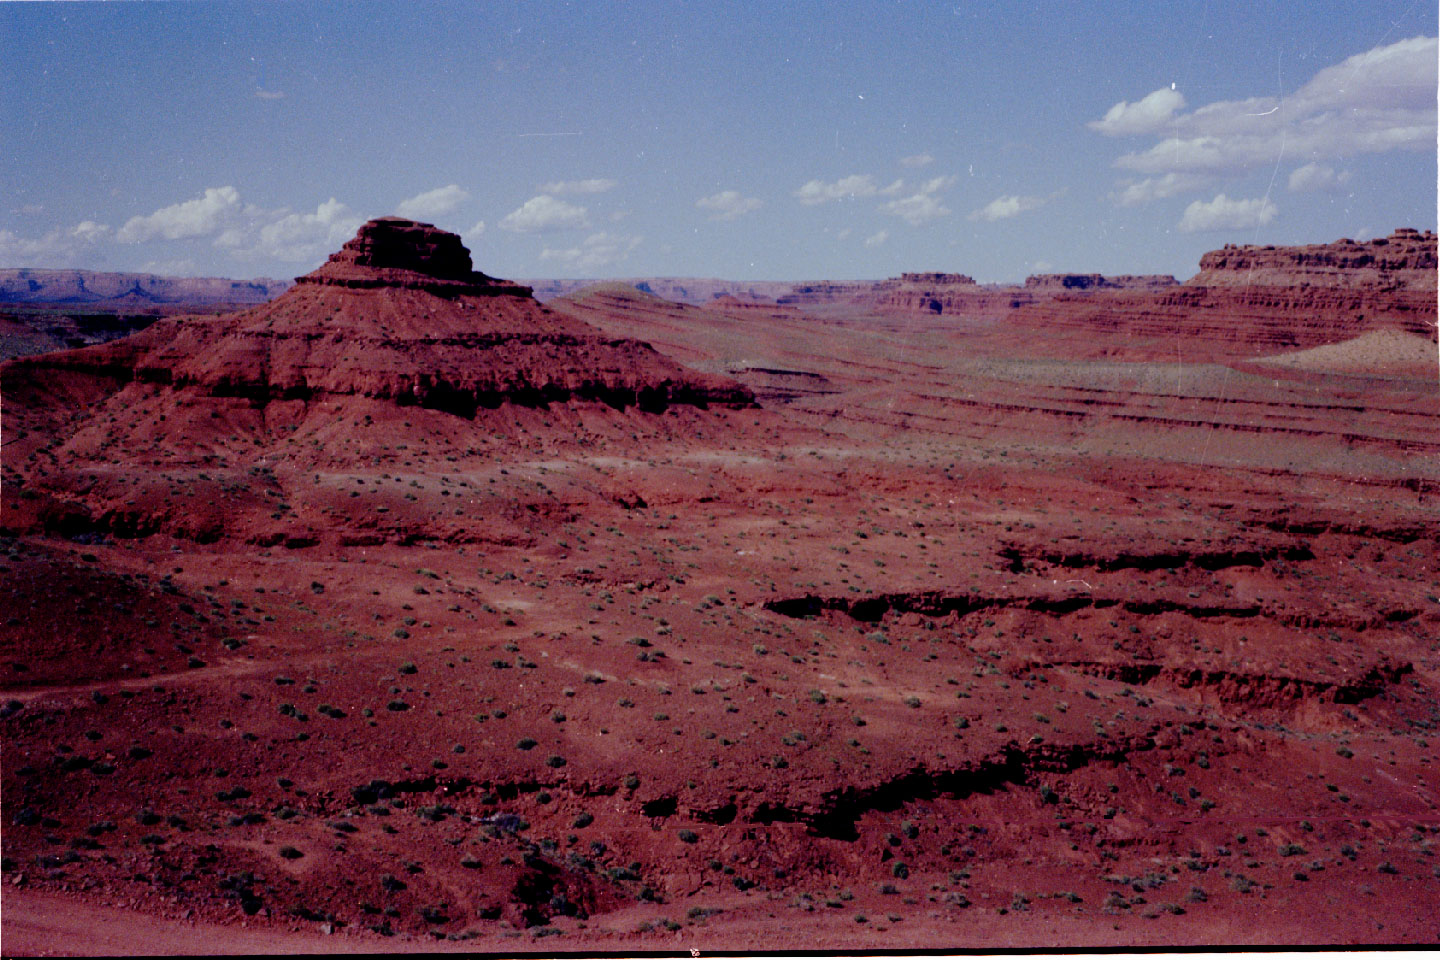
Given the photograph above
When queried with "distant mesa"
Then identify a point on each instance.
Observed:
(97, 290)
(1406, 258)
(938, 279)
(1095, 281)
(1247, 302)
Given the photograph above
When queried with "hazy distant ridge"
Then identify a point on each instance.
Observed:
(40, 286)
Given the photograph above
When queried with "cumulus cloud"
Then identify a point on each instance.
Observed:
(182, 267)
(1146, 115)
(433, 203)
(244, 230)
(1374, 102)
(1315, 177)
(815, 192)
(1134, 193)
(202, 216)
(88, 231)
(916, 161)
(1003, 208)
(1222, 213)
(55, 248)
(302, 236)
(597, 185)
(922, 206)
(52, 249)
(597, 250)
(544, 214)
(476, 231)
(728, 205)
(875, 239)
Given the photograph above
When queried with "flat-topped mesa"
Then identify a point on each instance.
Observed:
(1096, 281)
(937, 279)
(1406, 258)
(395, 252)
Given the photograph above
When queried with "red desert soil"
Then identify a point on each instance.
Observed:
(406, 608)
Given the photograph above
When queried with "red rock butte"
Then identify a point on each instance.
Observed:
(398, 314)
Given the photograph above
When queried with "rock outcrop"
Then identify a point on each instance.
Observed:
(1253, 301)
(1406, 258)
(395, 252)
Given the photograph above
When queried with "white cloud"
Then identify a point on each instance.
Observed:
(875, 239)
(302, 236)
(183, 267)
(893, 190)
(856, 185)
(90, 232)
(728, 205)
(202, 216)
(917, 161)
(543, 214)
(1003, 208)
(476, 231)
(57, 247)
(54, 248)
(922, 206)
(433, 203)
(1147, 115)
(598, 250)
(1315, 177)
(246, 231)
(597, 185)
(1157, 188)
(1222, 213)
(262, 94)
(1374, 102)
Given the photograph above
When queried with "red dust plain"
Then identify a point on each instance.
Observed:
(404, 612)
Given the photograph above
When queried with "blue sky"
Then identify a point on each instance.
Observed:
(764, 141)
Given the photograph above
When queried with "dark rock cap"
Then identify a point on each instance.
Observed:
(393, 251)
